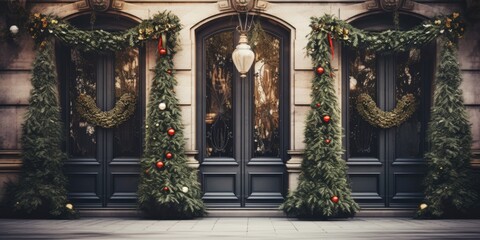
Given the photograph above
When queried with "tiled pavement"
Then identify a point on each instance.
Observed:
(239, 228)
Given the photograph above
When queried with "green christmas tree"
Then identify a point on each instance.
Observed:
(323, 190)
(448, 184)
(168, 188)
(41, 189)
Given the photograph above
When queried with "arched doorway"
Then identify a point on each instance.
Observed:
(386, 165)
(102, 164)
(242, 124)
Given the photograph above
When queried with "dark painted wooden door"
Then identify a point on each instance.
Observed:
(242, 123)
(103, 163)
(386, 165)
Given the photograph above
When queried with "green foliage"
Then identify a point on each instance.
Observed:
(448, 185)
(451, 26)
(323, 171)
(174, 203)
(40, 191)
(183, 197)
(367, 108)
(42, 27)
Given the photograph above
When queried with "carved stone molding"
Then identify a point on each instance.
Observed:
(389, 5)
(225, 5)
(100, 5)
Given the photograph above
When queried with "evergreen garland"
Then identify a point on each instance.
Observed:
(328, 26)
(41, 189)
(170, 192)
(323, 190)
(449, 190)
(168, 187)
(45, 26)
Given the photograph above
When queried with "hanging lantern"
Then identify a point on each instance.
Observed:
(14, 30)
(243, 55)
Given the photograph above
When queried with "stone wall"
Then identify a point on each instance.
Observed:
(17, 56)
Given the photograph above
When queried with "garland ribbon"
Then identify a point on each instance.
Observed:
(124, 108)
(330, 41)
(162, 43)
(367, 108)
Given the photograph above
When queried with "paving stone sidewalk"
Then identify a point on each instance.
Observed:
(239, 228)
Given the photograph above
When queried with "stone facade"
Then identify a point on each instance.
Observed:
(17, 55)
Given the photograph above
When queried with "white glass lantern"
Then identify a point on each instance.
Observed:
(243, 56)
(14, 29)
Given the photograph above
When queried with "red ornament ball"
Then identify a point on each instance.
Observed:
(327, 141)
(318, 105)
(320, 70)
(171, 131)
(166, 189)
(162, 51)
(334, 199)
(169, 155)
(169, 71)
(326, 118)
(160, 164)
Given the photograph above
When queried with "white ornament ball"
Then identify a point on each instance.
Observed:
(162, 106)
(185, 189)
(14, 29)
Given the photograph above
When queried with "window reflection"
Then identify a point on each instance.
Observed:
(219, 114)
(362, 79)
(82, 134)
(266, 95)
(408, 80)
(127, 137)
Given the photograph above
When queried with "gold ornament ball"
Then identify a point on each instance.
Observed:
(185, 189)
(423, 206)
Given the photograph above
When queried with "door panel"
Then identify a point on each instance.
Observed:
(242, 121)
(386, 166)
(103, 164)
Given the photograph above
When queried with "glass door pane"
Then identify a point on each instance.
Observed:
(408, 136)
(127, 137)
(266, 91)
(363, 137)
(219, 100)
(82, 135)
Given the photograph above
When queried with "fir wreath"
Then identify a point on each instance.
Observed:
(124, 108)
(323, 190)
(367, 108)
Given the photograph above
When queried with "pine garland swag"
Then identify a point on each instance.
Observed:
(41, 189)
(323, 190)
(449, 190)
(173, 192)
(169, 190)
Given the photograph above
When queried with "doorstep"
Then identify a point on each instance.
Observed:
(242, 212)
